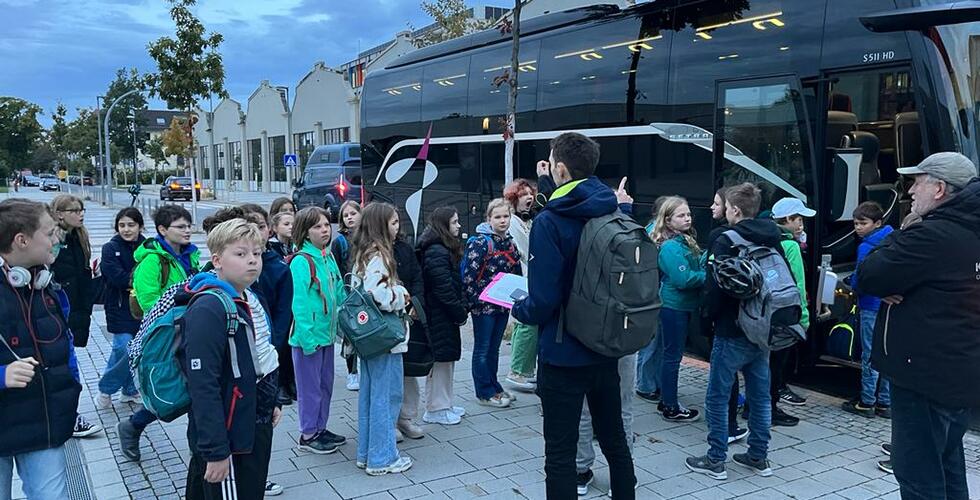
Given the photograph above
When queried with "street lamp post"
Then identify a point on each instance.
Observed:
(108, 157)
(98, 128)
(136, 175)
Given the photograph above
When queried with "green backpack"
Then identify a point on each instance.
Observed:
(369, 330)
(159, 375)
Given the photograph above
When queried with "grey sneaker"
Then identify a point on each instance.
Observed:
(759, 466)
(706, 466)
(400, 465)
(129, 439)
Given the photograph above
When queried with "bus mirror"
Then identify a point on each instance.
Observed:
(844, 169)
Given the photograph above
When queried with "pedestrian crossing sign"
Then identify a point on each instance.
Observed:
(289, 160)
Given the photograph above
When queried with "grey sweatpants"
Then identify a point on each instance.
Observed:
(585, 455)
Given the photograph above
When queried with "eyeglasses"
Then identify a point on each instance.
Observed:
(181, 227)
(75, 211)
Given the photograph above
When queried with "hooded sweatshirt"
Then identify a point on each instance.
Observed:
(719, 307)
(553, 255)
(868, 243)
(681, 275)
(150, 258)
(929, 343)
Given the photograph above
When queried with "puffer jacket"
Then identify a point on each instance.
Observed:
(73, 271)
(445, 308)
(150, 257)
(117, 272)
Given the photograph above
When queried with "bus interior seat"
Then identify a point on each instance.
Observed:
(840, 102)
(908, 139)
(839, 123)
(869, 145)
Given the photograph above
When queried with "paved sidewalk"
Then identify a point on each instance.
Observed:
(499, 453)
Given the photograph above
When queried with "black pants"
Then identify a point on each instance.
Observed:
(249, 472)
(287, 379)
(777, 373)
(927, 447)
(562, 390)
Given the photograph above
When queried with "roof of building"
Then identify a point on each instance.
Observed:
(157, 119)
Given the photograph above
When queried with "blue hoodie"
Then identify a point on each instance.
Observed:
(868, 243)
(553, 249)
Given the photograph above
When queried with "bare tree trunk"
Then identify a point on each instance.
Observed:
(512, 96)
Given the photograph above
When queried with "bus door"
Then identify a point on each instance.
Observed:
(870, 128)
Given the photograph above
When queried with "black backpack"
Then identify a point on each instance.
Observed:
(614, 303)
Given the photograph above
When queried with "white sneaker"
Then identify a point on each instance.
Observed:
(400, 465)
(353, 382)
(410, 430)
(444, 417)
(135, 399)
(398, 436)
(496, 402)
(509, 396)
(459, 410)
(519, 382)
(103, 401)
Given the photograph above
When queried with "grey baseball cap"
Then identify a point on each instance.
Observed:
(953, 168)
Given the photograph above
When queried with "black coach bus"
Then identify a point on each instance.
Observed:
(820, 99)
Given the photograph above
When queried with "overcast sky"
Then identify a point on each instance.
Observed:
(69, 50)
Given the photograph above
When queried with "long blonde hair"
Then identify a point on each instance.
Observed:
(64, 202)
(374, 238)
(662, 231)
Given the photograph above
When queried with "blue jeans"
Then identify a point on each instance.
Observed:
(43, 474)
(117, 375)
(869, 376)
(730, 355)
(488, 332)
(927, 447)
(673, 331)
(378, 403)
(648, 362)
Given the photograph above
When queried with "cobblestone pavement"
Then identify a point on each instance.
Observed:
(499, 453)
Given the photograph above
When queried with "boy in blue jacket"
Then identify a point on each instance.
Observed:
(569, 372)
(868, 224)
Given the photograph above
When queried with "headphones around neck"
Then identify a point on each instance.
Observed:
(19, 277)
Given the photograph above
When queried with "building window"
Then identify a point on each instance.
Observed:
(336, 135)
(221, 159)
(255, 158)
(235, 153)
(303, 145)
(277, 148)
(205, 162)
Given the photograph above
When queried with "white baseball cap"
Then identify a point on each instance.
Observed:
(791, 206)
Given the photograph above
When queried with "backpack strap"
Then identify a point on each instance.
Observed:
(736, 238)
(232, 319)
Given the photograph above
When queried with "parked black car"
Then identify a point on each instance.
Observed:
(331, 176)
(178, 187)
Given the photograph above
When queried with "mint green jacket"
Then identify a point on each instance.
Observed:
(315, 310)
(681, 276)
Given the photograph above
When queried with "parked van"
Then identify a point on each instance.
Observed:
(331, 176)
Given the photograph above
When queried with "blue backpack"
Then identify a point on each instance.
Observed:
(156, 370)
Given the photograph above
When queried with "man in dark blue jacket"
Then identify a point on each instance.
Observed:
(568, 371)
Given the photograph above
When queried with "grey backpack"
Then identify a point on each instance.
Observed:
(614, 302)
(770, 318)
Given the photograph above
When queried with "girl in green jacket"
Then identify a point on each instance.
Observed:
(318, 291)
(681, 278)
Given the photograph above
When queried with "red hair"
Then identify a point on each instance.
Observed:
(518, 188)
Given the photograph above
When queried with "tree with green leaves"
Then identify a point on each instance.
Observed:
(155, 150)
(452, 19)
(20, 133)
(59, 129)
(189, 66)
(121, 121)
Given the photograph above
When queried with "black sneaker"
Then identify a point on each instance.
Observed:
(129, 439)
(283, 399)
(789, 397)
(583, 481)
(886, 448)
(83, 428)
(886, 466)
(652, 397)
(779, 417)
(760, 466)
(706, 466)
(737, 435)
(272, 489)
(331, 438)
(883, 411)
(316, 445)
(680, 415)
(858, 408)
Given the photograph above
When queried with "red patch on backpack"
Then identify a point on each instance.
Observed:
(362, 318)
